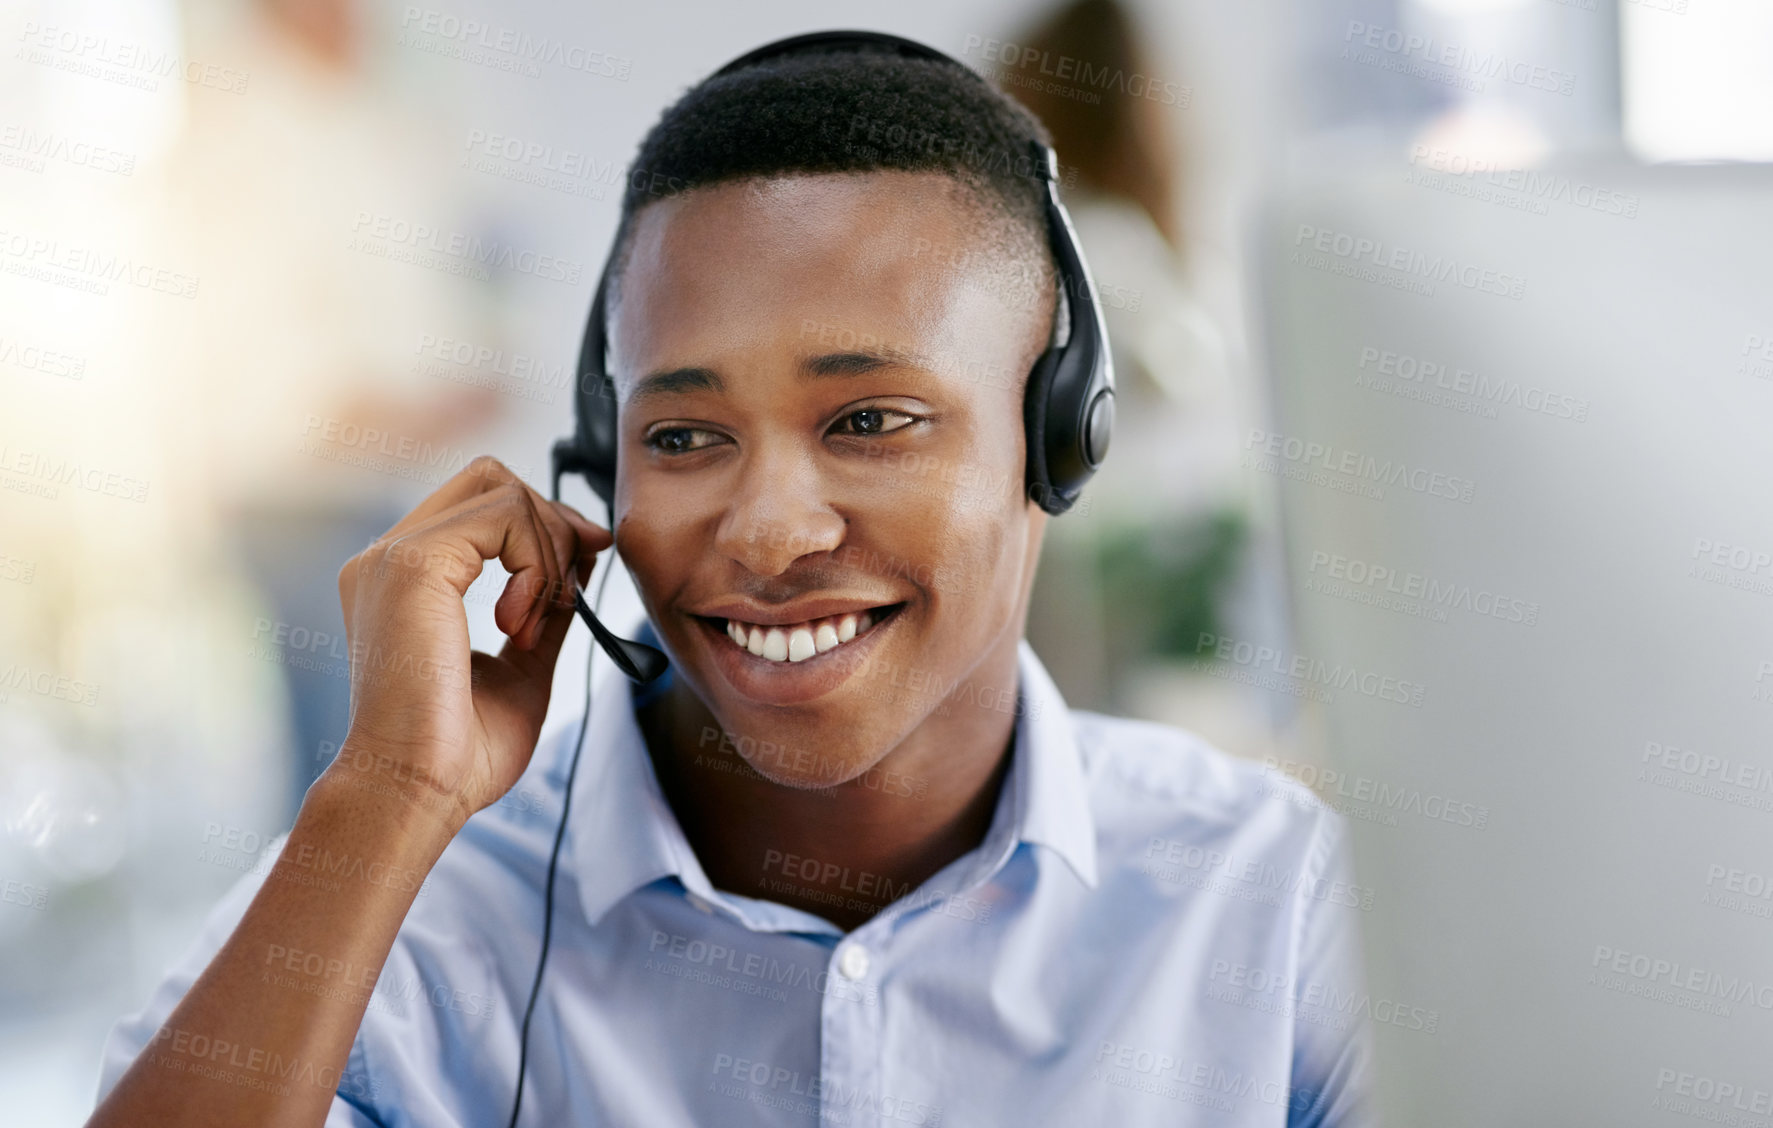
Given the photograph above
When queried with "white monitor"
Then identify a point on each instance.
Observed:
(1523, 437)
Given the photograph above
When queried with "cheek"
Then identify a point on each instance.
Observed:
(649, 545)
(972, 545)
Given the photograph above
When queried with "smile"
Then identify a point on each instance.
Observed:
(785, 664)
(797, 642)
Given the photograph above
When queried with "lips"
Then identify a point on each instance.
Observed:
(796, 661)
(796, 642)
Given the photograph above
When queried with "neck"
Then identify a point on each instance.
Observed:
(843, 852)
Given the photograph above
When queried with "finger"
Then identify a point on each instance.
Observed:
(423, 555)
(479, 476)
(593, 538)
(483, 475)
(536, 662)
(559, 544)
(449, 552)
(566, 537)
(533, 592)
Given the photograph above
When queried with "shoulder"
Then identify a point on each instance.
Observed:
(1173, 764)
(1180, 792)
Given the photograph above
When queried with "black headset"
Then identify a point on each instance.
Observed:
(1068, 413)
(1068, 410)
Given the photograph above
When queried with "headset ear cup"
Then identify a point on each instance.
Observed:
(1038, 482)
(1099, 428)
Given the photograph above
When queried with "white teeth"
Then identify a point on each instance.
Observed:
(775, 645)
(824, 638)
(797, 644)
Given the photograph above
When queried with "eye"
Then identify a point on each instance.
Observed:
(679, 440)
(874, 421)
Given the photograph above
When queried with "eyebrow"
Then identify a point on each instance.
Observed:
(677, 380)
(850, 363)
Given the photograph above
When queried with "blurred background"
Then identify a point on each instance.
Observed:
(1444, 341)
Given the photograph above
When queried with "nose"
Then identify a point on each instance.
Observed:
(778, 514)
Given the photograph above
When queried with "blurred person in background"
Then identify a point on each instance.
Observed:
(308, 422)
(1152, 563)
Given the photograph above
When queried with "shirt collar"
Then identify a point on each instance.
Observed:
(625, 835)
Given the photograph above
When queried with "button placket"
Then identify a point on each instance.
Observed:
(850, 1028)
(852, 960)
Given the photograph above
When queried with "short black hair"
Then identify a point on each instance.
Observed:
(853, 109)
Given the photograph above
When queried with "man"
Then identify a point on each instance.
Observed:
(855, 860)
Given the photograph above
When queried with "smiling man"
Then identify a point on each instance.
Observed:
(854, 860)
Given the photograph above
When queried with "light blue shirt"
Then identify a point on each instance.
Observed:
(1151, 933)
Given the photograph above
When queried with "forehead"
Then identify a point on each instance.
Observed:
(905, 260)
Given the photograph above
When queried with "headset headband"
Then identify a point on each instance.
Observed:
(1068, 407)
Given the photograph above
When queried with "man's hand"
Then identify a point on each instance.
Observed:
(425, 709)
(437, 733)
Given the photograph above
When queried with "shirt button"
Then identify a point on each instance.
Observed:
(699, 903)
(853, 962)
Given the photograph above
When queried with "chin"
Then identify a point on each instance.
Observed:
(810, 756)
